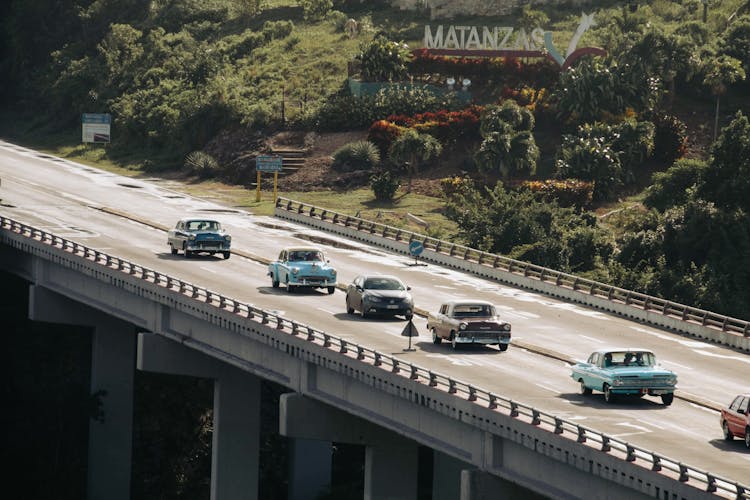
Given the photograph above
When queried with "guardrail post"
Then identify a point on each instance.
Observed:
(513, 409)
(414, 375)
(493, 402)
(581, 435)
(684, 474)
(433, 380)
(310, 334)
(378, 361)
(264, 319)
(711, 483)
(452, 386)
(395, 368)
(472, 394)
(295, 329)
(536, 417)
(360, 353)
(605, 444)
(656, 467)
(279, 323)
(558, 425)
(630, 453)
(343, 349)
(326, 340)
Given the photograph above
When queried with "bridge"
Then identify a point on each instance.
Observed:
(345, 389)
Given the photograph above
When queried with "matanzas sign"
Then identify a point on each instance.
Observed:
(505, 42)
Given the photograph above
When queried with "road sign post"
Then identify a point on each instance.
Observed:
(267, 163)
(416, 248)
(410, 331)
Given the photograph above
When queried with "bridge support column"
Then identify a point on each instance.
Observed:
(446, 476)
(112, 374)
(390, 459)
(236, 434)
(309, 468)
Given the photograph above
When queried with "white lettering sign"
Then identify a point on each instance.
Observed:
(492, 38)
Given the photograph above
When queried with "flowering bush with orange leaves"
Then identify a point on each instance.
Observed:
(382, 133)
(567, 192)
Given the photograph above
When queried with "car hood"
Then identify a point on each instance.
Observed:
(316, 267)
(388, 294)
(209, 233)
(641, 371)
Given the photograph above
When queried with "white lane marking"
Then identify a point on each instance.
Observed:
(676, 364)
(327, 311)
(592, 339)
(707, 410)
(625, 434)
(551, 389)
(208, 269)
(687, 343)
(744, 359)
(454, 360)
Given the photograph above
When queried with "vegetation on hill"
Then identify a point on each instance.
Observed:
(535, 154)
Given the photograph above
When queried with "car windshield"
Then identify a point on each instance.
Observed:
(383, 284)
(203, 225)
(307, 255)
(473, 310)
(629, 358)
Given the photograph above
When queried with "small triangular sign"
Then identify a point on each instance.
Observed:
(410, 330)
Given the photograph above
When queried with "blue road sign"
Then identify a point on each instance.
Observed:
(268, 163)
(416, 248)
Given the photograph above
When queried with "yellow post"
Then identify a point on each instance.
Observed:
(257, 190)
(275, 178)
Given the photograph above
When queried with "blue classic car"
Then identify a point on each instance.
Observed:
(199, 235)
(302, 267)
(626, 372)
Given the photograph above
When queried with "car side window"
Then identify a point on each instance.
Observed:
(282, 256)
(736, 403)
(743, 406)
(594, 359)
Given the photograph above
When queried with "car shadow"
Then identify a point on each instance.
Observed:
(195, 257)
(269, 290)
(446, 348)
(736, 445)
(344, 316)
(596, 400)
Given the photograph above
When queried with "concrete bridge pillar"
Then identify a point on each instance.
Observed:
(236, 434)
(391, 460)
(112, 374)
(446, 476)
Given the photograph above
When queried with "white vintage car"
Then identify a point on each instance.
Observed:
(192, 236)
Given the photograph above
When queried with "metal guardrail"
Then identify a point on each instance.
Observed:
(543, 274)
(460, 389)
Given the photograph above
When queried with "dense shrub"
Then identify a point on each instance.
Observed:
(566, 192)
(315, 9)
(202, 164)
(273, 30)
(674, 187)
(383, 60)
(448, 127)
(591, 159)
(384, 185)
(382, 133)
(670, 138)
(359, 155)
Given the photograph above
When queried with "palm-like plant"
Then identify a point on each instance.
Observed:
(721, 72)
(411, 149)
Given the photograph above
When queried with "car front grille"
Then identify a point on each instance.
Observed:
(647, 382)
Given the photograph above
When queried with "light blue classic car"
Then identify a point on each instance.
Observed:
(302, 267)
(627, 372)
(199, 235)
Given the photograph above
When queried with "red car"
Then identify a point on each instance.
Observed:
(735, 419)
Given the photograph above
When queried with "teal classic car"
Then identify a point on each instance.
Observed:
(192, 236)
(302, 267)
(625, 372)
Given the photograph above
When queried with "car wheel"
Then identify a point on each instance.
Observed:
(502, 347)
(725, 430)
(363, 313)
(173, 249)
(227, 254)
(454, 344)
(185, 250)
(609, 397)
(667, 399)
(331, 289)
(584, 390)
(274, 281)
(435, 338)
(747, 437)
(349, 309)
(289, 288)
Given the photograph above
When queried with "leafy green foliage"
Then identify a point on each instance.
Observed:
(383, 60)
(591, 159)
(736, 42)
(315, 9)
(516, 224)
(411, 149)
(727, 181)
(201, 164)
(508, 146)
(358, 155)
(676, 185)
(384, 185)
(670, 138)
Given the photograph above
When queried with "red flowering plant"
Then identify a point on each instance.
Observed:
(382, 133)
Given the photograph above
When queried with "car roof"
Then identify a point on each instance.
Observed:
(469, 301)
(623, 349)
(369, 276)
(303, 249)
(203, 219)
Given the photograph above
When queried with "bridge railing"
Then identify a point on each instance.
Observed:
(460, 389)
(541, 274)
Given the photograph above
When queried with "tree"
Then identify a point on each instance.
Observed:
(508, 146)
(721, 72)
(727, 179)
(315, 9)
(411, 149)
(383, 59)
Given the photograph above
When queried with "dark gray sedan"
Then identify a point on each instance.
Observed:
(379, 294)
